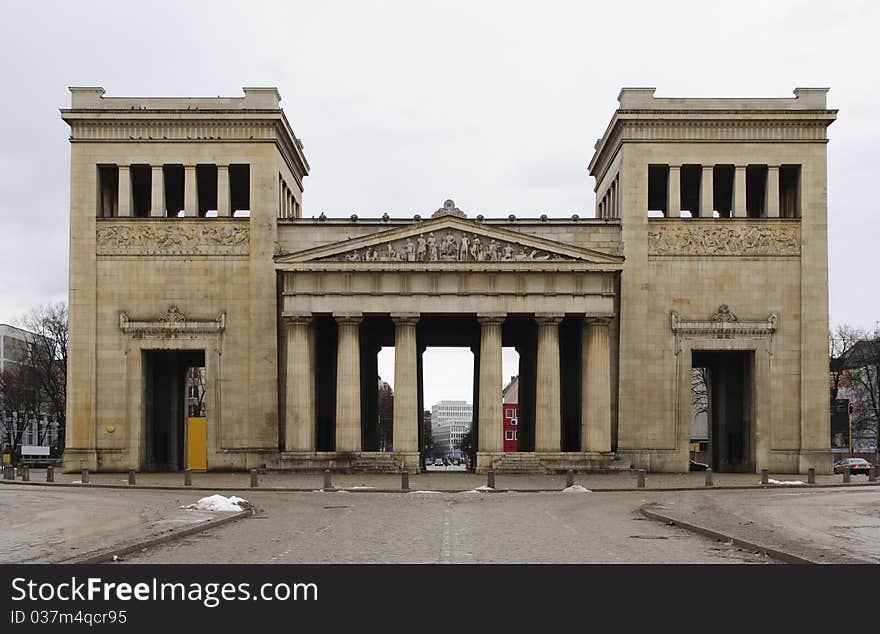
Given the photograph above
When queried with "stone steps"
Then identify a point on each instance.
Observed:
(376, 462)
(523, 462)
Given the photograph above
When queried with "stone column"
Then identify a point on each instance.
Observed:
(596, 386)
(707, 193)
(190, 193)
(491, 420)
(772, 203)
(348, 384)
(300, 405)
(405, 425)
(223, 202)
(157, 195)
(548, 396)
(739, 192)
(673, 203)
(124, 192)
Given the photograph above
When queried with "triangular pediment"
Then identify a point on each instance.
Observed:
(449, 240)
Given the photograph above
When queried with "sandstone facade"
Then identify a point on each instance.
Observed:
(189, 245)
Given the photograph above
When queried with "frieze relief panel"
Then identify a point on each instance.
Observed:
(451, 245)
(167, 237)
(722, 237)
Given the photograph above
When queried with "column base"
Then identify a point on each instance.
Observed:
(75, 460)
(820, 459)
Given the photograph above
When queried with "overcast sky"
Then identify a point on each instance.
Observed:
(401, 105)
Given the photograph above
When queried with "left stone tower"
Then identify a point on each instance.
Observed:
(173, 227)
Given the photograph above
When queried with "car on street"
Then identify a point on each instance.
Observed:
(438, 462)
(856, 466)
(698, 466)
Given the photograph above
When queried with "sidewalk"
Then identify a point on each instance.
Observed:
(434, 481)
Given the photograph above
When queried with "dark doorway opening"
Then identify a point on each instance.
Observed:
(167, 406)
(722, 409)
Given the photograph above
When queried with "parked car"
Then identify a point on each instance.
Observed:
(438, 462)
(856, 466)
(698, 466)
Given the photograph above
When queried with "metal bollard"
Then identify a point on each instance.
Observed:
(255, 479)
(569, 478)
(8, 472)
(846, 474)
(187, 478)
(490, 478)
(872, 474)
(765, 476)
(709, 482)
(811, 475)
(132, 478)
(404, 480)
(84, 477)
(328, 481)
(640, 481)
(50, 474)
(25, 474)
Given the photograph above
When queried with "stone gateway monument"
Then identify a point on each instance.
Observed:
(214, 324)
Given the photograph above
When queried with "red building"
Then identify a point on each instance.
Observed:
(509, 409)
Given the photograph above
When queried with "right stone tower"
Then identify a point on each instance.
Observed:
(723, 211)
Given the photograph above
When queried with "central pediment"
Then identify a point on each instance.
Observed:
(449, 240)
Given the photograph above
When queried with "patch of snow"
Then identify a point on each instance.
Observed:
(77, 482)
(219, 504)
(437, 492)
(484, 488)
(575, 488)
(360, 487)
(785, 482)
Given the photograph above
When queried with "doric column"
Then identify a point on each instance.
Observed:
(406, 385)
(124, 191)
(596, 386)
(157, 195)
(348, 384)
(739, 192)
(548, 412)
(772, 203)
(190, 193)
(707, 194)
(673, 204)
(223, 201)
(613, 210)
(300, 406)
(491, 420)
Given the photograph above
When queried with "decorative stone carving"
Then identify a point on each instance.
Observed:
(167, 237)
(171, 323)
(452, 246)
(714, 238)
(723, 325)
(724, 314)
(449, 209)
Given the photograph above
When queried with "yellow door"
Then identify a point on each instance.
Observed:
(197, 443)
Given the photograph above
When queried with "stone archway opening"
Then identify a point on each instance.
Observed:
(448, 413)
(722, 410)
(171, 396)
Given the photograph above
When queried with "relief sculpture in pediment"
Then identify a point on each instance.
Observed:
(450, 246)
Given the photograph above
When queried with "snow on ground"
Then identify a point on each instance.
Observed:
(575, 488)
(484, 488)
(220, 504)
(785, 482)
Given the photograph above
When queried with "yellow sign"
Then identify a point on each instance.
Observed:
(197, 443)
(7, 458)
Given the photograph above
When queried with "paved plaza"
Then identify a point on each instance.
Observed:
(360, 525)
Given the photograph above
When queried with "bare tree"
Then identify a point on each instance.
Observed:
(840, 345)
(700, 391)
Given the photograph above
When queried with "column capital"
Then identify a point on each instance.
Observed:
(405, 318)
(598, 320)
(674, 167)
(292, 319)
(549, 318)
(222, 167)
(491, 318)
(123, 166)
(348, 318)
(773, 166)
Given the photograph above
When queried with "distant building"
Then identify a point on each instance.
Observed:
(13, 352)
(510, 411)
(450, 422)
